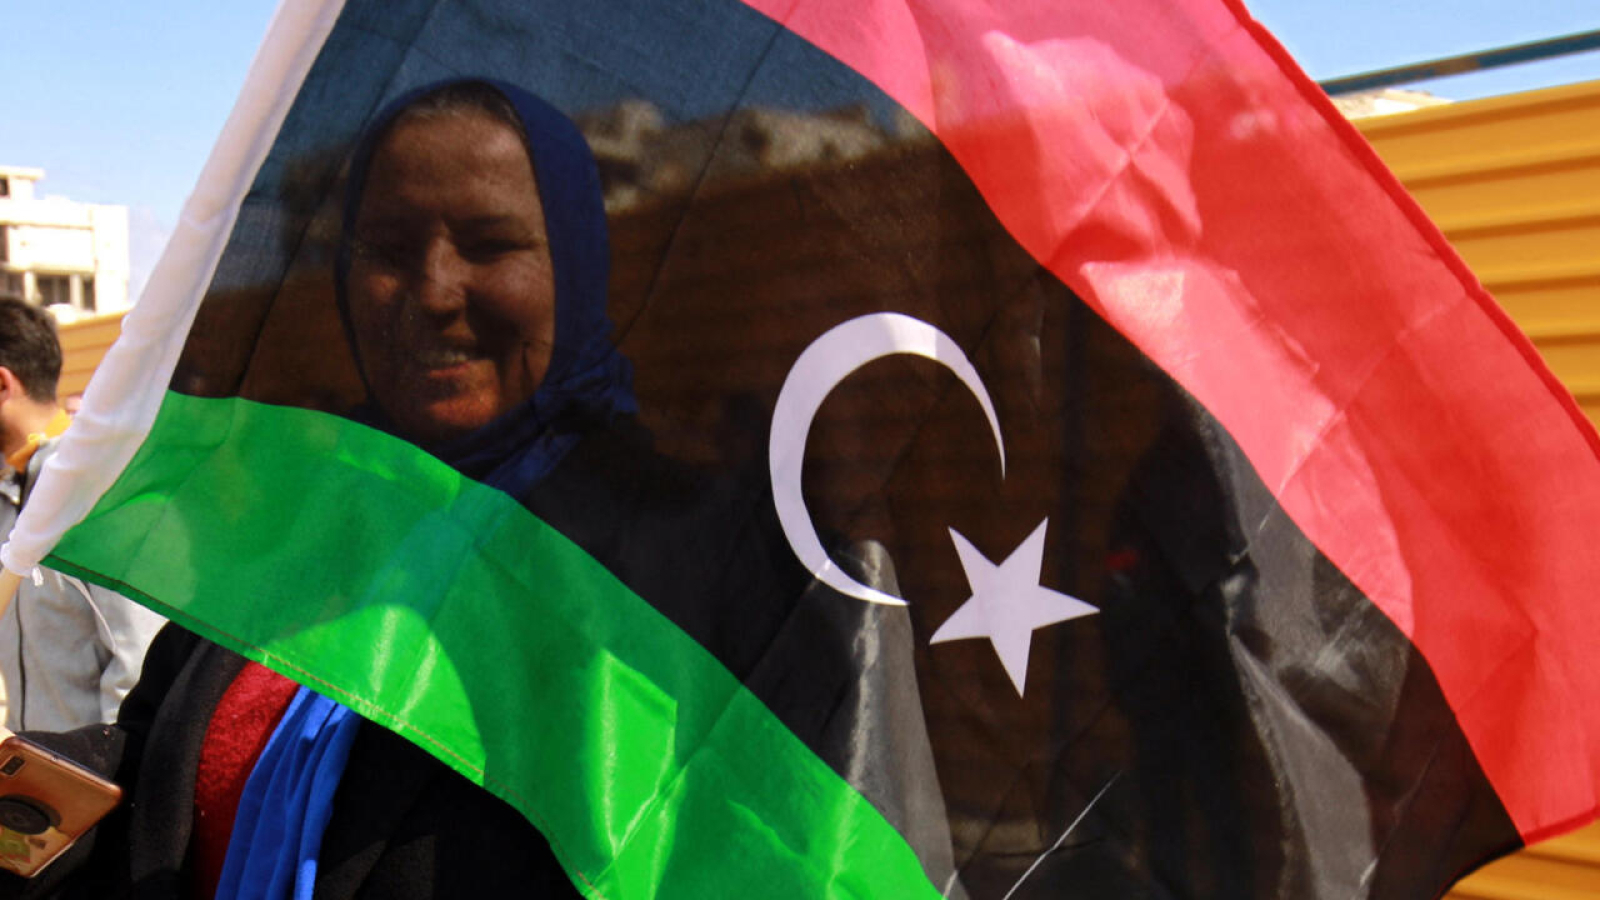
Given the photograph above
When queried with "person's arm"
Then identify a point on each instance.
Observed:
(125, 629)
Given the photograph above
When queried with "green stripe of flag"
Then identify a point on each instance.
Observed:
(355, 563)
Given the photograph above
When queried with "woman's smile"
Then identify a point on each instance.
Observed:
(452, 293)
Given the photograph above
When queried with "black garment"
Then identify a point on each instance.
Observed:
(404, 825)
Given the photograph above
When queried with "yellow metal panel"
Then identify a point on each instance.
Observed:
(83, 345)
(1525, 181)
(1543, 305)
(1535, 243)
(1438, 139)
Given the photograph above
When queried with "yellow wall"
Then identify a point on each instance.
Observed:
(83, 344)
(1514, 182)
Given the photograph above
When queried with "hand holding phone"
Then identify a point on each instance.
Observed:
(46, 803)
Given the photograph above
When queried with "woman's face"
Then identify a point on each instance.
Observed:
(451, 289)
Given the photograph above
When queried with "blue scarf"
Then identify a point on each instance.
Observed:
(287, 802)
(288, 797)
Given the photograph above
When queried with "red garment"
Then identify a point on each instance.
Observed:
(238, 732)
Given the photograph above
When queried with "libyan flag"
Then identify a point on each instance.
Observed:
(1058, 460)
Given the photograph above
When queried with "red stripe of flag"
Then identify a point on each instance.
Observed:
(1170, 164)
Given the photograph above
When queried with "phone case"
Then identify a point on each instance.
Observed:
(46, 803)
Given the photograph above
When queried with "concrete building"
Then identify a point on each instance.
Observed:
(68, 256)
(1385, 102)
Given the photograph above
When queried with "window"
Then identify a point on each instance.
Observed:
(11, 284)
(88, 293)
(5, 245)
(5, 186)
(54, 289)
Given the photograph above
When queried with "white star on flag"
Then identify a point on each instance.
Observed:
(1008, 603)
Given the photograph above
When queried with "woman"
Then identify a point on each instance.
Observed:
(472, 280)
(455, 257)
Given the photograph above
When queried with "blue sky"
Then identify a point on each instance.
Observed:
(120, 102)
(1331, 38)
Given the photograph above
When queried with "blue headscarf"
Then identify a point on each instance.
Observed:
(274, 848)
(587, 380)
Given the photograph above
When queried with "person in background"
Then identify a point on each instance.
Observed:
(69, 652)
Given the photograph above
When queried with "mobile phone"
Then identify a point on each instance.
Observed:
(46, 803)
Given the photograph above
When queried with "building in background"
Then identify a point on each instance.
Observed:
(69, 257)
(1385, 102)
